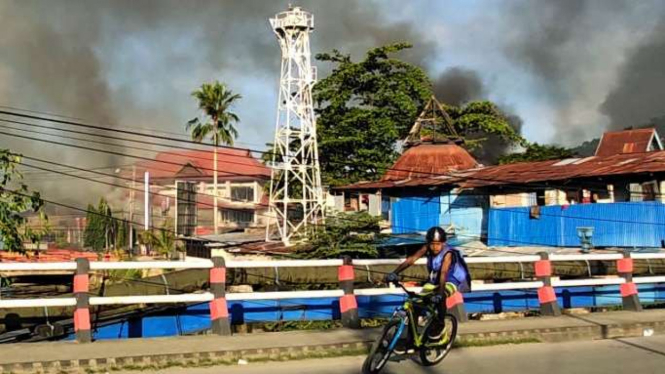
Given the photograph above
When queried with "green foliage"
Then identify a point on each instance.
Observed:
(101, 228)
(15, 201)
(161, 240)
(537, 152)
(215, 101)
(121, 275)
(477, 121)
(344, 234)
(364, 108)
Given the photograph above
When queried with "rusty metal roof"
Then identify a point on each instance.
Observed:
(424, 160)
(557, 170)
(532, 172)
(628, 141)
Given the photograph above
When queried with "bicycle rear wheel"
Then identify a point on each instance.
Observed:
(381, 350)
(435, 351)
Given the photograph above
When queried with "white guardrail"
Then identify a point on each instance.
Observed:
(207, 264)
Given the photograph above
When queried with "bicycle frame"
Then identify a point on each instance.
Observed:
(406, 313)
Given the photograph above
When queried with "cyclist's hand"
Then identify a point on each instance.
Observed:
(391, 278)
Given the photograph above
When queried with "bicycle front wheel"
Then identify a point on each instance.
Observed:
(435, 350)
(381, 350)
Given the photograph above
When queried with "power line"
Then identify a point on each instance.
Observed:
(133, 147)
(126, 155)
(545, 186)
(171, 139)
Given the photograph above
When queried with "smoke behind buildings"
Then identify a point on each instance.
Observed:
(595, 64)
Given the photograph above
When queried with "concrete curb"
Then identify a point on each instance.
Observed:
(230, 356)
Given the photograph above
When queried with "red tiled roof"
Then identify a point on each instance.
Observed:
(628, 141)
(423, 160)
(232, 164)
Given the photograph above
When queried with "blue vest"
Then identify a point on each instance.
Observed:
(458, 274)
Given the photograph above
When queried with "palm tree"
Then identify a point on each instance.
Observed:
(215, 101)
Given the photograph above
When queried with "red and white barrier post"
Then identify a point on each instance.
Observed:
(82, 311)
(348, 304)
(629, 295)
(546, 295)
(219, 311)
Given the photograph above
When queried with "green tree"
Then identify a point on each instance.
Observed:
(537, 152)
(14, 202)
(479, 121)
(215, 101)
(364, 108)
(101, 227)
(344, 234)
(162, 240)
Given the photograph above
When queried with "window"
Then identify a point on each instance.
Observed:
(649, 191)
(242, 193)
(237, 216)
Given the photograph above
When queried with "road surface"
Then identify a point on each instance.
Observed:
(632, 356)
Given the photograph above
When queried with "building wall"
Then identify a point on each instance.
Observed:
(516, 199)
(465, 214)
(415, 213)
(626, 224)
(241, 199)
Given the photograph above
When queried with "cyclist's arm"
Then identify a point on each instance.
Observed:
(445, 267)
(411, 259)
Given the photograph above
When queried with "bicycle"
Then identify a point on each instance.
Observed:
(412, 328)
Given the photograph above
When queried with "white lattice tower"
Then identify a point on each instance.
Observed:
(296, 196)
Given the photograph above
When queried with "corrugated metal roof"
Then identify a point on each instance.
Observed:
(533, 172)
(628, 141)
(426, 159)
(555, 170)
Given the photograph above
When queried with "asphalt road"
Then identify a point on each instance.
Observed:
(633, 356)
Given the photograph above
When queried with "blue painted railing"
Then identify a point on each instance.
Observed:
(196, 318)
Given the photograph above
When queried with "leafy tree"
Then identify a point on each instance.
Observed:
(364, 108)
(162, 240)
(537, 152)
(344, 234)
(14, 202)
(477, 121)
(101, 227)
(215, 101)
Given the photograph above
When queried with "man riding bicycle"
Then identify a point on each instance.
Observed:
(446, 268)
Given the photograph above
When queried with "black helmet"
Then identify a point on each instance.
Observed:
(436, 233)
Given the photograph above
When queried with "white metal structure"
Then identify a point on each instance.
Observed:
(296, 196)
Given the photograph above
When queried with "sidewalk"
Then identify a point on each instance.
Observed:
(72, 356)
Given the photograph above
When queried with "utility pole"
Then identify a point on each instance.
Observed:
(146, 199)
(216, 137)
(130, 242)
